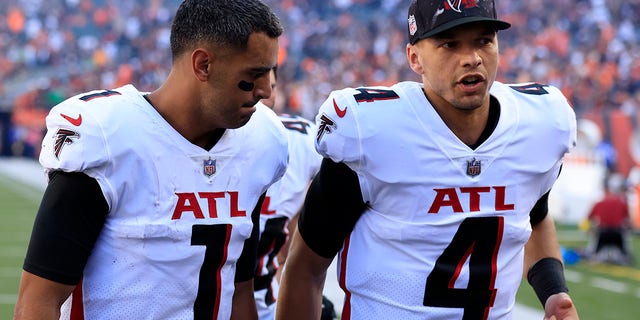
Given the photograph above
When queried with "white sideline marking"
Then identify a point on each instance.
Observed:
(26, 170)
(573, 276)
(8, 298)
(609, 285)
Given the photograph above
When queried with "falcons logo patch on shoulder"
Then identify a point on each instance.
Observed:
(63, 137)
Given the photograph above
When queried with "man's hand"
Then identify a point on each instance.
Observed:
(560, 307)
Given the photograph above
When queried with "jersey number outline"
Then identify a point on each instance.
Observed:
(101, 94)
(531, 88)
(371, 95)
(215, 238)
(296, 125)
(272, 240)
(478, 240)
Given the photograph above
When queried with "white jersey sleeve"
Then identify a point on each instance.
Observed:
(552, 119)
(283, 201)
(352, 117)
(287, 195)
(338, 135)
(76, 140)
(70, 128)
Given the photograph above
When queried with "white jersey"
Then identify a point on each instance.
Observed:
(283, 201)
(445, 226)
(287, 195)
(178, 214)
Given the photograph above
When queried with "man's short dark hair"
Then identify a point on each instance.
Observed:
(226, 23)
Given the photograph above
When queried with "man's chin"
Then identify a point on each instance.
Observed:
(244, 119)
(471, 102)
(468, 105)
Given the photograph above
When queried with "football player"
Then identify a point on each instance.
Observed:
(153, 201)
(435, 192)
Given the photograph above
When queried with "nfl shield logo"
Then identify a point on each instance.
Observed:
(413, 27)
(209, 167)
(474, 167)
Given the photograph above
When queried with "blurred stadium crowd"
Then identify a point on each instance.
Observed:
(50, 50)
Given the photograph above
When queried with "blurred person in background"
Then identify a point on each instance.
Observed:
(279, 213)
(610, 223)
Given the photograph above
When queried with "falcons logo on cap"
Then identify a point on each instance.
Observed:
(63, 136)
(458, 5)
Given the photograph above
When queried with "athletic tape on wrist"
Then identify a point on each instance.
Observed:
(546, 277)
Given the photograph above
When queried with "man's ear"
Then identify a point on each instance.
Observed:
(201, 62)
(414, 59)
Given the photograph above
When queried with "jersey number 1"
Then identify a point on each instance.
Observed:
(477, 240)
(215, 238)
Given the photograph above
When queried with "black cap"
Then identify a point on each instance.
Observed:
(429, 17)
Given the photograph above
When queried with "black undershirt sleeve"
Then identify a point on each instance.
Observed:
(246, 267)
(332, 207)
(540, 210)
(71, 215)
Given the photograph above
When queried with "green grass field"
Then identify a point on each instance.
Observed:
(18, 205)
(599, 291)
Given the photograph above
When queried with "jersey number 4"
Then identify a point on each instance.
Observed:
(477, 240)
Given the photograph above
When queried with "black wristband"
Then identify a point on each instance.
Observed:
(546, 277)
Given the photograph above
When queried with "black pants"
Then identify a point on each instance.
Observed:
(611, 237)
